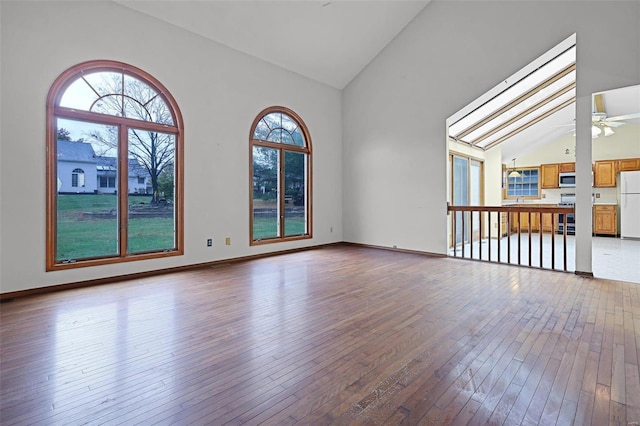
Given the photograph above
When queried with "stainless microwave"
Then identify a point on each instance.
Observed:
(567, 180)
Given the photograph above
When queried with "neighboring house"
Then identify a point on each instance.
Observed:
(81, 170)
(139, 181)
(139, 178)
(76, 167)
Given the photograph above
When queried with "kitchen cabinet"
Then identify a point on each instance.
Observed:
(567, 167)
(604, 174)
(549, 176)
(547, 222)
(537, 222)
(605, 220)
(503, 224)
(522, 220)
(628, 164)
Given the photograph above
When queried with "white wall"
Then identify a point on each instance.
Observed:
(219, 91)
(624, 143)
(450, 54)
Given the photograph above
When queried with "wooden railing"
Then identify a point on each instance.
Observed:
(510, 222)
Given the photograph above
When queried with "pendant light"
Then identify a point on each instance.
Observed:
(514, 173)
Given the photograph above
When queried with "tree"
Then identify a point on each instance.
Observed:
(64, 134)
(165, 182)
(132, 98)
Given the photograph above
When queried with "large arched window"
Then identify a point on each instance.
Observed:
(114, 167)
(280, 167)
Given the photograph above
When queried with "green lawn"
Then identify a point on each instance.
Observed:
(82, 236)
(268, 228)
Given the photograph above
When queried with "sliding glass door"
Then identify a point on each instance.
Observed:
(466, 184)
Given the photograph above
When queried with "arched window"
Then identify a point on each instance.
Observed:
(119, 131)
(280, 168)
(77, 178)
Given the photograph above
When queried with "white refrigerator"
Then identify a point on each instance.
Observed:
(630, 204)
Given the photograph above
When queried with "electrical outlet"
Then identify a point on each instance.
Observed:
(597, 195)
(227, 241)
(209, 242)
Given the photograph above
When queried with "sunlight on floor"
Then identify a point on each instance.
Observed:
(613, 258)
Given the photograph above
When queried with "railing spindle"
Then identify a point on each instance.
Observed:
(489, 236)
(554, 224)
(530, 226)
(564, 242)
(541, 232)
(471, 233)
(514, 228)
(499, 235)
(454, 233)
(463, 214)
(509, 221)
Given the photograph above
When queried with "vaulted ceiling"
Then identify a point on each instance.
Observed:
(332, 41)
(328, 41)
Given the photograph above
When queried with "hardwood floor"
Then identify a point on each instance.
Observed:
(339, 335)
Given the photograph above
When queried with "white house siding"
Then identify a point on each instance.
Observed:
(135, 187)
(65, 170)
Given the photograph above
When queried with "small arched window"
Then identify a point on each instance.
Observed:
(77, 178)
(280, 175)
(119, 131)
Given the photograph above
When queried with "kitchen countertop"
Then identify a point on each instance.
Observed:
(605, 204)
(536, 202)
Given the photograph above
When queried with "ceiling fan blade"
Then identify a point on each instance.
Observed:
(624, 117)
(598, 103)
(612, 123)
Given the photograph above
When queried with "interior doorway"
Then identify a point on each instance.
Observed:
(615, 155)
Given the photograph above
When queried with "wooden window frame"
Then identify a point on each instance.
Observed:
(54, 111)
(282, 147)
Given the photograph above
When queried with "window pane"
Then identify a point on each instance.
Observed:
(524, 186)
(78, 95)
(280, 128)
(116, 94)
(86, 218)
(266, 211)
(109, 86)
(460, 191)
(262, 131)
(295, 203)
(150, 190)
(142, 102)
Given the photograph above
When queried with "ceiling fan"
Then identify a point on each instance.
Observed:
(601, 123)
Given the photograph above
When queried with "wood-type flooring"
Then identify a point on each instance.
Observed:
(337, 335)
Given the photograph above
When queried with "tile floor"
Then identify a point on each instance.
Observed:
(613, 258)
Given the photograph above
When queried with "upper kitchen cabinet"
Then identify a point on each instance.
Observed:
(567, 167)
(604, 174)
(549, 174)
(629, 164)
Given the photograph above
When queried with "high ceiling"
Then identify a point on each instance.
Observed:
(332, 41)
(328, 41)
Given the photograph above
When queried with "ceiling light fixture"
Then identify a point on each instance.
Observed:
(514, 173)
(595, 132)
(608, 131)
